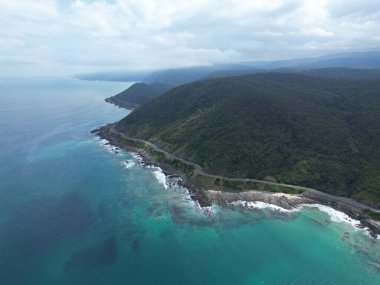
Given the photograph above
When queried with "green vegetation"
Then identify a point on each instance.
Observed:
(344, 73)
(313, 132)
(373, 215)
(138, 94)
(158, 156)
(204, 180)
(141, 93)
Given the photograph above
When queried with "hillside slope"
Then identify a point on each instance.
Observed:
(344, 73)
(314, 132)
(138, 94)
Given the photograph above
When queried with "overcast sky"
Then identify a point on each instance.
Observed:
(64, 36)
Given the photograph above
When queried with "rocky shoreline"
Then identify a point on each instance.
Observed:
(282, 200)
(196, 192)
(121, 104)
(206, 198)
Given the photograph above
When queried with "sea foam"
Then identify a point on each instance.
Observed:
(128, 163)
(334, 215)
(111, 148)
(160, 176)
(262, 205)
(138, 159)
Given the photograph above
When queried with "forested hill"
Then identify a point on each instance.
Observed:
(344, 73)
(315, 132)
(138, 94)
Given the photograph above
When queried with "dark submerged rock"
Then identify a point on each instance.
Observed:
(102, 254)
(44, 221)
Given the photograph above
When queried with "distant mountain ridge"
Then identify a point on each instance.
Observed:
(141, 93)
(364, 60)
(178, 76)
(364, 65)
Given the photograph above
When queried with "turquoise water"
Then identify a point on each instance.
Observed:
(71, 212)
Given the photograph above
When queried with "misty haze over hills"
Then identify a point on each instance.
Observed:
(360, 60)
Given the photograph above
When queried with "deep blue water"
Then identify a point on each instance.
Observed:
(71, 212)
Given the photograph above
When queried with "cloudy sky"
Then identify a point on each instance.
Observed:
(72, 36)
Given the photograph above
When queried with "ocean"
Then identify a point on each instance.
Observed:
(75, 211)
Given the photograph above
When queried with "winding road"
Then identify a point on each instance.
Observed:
(308, 192)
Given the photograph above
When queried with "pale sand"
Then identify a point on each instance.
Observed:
(286, 201)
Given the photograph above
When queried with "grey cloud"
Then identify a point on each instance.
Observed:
(162, 33)
(354, 9)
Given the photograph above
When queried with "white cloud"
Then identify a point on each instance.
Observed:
(88, 35)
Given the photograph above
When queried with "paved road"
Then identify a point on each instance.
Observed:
(308, 192)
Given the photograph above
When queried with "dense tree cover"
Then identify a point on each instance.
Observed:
(138, 94)
(141, 93)
(333, 73)
(344, 73)
(308, 131)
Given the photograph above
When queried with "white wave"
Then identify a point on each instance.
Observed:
(137, 158)
(128, 163)
(187, 196)
(261, 205)
(210, 210)
(368, 234)
(160, 176)
(111, 148)
(102, 141)
(207, 210)
(336, 216)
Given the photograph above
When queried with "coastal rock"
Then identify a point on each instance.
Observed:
(285, 201)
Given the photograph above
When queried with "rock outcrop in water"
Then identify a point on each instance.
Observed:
(102, 254)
